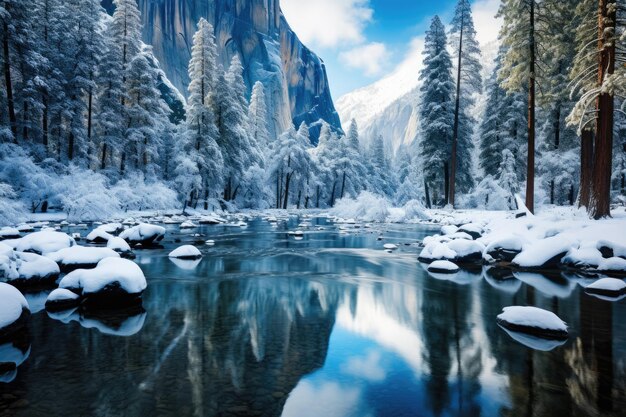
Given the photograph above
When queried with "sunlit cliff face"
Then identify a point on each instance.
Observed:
(295, 79)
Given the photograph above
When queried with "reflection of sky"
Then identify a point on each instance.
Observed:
(375, 366)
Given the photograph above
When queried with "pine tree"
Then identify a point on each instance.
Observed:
(519, 69)
(468, 82)
(258, 117)
(436, 113)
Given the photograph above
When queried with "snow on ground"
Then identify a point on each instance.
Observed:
(12, 305)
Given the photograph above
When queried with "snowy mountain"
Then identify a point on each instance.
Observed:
(388, 107)
(294, 77)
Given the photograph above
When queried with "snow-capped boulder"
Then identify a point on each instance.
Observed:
(113, 282)
(120, 246)
(188, 224)
(584, 257)
(62, 299)
(443, 267)
(390, 246)
(611, 287)
(613, 265)
(9, 233)
(25, 228)
(211, 219)
(186, 252)
(504, 248)
(98, 235)
(14, 310)
(467, 251)
(449, 229)
(144, 234)
(472, 229)
(77, 257)
(42, 242)
(34, 270)
(435, 251)
(545, 253)
(533, 320)
(610, 249)
(460, 235)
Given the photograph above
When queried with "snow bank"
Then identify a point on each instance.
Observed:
(13, 309)
(81, 257)
(211, 219)
(188, 225)
(366, 207)
(533, 320)
(186, 252)
(42, 242)
(143, 233)
(9, 233)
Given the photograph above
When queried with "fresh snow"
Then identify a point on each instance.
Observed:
(118, 244)
(42, 242)
(538, 253)
(12, 305)
(81, 255)
(532, 317)
(143, 233)
(62, 294)
(108, 271)
(185, 251)
(443, 266)
(612, 265)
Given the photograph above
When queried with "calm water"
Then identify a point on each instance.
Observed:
(330, 325)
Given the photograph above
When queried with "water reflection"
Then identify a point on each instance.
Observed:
(330, 325)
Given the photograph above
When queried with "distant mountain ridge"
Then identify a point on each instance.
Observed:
(294, 77)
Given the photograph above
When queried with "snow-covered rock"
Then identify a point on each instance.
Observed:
(473, 229)
(120, 246)
(611, 287)
(9, 233)
(62, 299)
(14, 310)
(188, 224)
(34, 270)
(434, 251)
(390, 246)
(25, 228)
(584, 257)
(545, 253)
(443, 267)
(144, 234)
(467, 251)
(42, 242)
(113, 282)
(533, 320)
(211, 219)
(449, 229)
(504, 248)
(610, 249)
(77, 257)
(186, 252)
(614, 264)
(98, 235)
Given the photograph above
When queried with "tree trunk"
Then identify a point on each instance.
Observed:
(8, 81)
(277, 191)
(123, 163)
(343, 184)
(600, 199)
(446, 182)
(530, 168)
(298, 201)
(427, 194)
(586, 167)
(457, 107)
(44, 122)
(331, 202)
(103, 159)
(287, 182)
(70, 147)
(317, 197)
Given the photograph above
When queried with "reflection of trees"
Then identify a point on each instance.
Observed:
(449, 345)
(232, 347)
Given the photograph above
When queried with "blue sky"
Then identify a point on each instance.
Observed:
(362, 40)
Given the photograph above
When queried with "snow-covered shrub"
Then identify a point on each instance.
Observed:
(367, 207)
(414, 209)
(488, 195)
(84, 195)
(11, 210)
(137, 194)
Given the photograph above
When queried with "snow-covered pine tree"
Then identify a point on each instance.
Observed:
(323, 155)
(257, 116)
(436, 113)
(520, 71)
(352, 168)
(381, 179)
(232, 123)
(466, 53)
(148, 116)
(200, 133)
(603, 41)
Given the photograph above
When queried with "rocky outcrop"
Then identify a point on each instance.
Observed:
(294, 77)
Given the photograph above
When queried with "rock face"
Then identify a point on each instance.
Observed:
(294, 77)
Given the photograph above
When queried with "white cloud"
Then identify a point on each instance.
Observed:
(328, 23)
(370, 58)
(327, 399)
(367, 367)
(485, 22)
